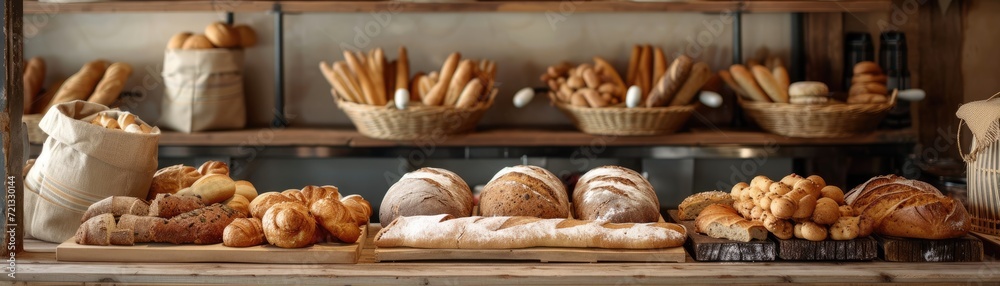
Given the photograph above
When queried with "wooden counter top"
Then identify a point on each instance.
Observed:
(42, 267)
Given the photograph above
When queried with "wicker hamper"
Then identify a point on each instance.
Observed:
(416, 121)
(818, 120)
(983, 163)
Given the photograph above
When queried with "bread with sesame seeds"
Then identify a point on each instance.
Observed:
(427, 191)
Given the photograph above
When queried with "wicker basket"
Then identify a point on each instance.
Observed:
(35, 133)
(415, 122)
(627, 121)
(818, 120)
(983, 176)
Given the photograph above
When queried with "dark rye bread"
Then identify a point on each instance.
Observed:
(427, 191)
(524, 191)
(895, 206)
(615, 194)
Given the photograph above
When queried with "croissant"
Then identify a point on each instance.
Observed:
(243, 232)
(289, 225)
(335, 217)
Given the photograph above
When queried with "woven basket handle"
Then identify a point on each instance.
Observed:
(958, 136)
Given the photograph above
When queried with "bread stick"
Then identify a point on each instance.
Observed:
(699, 75)
(633, 65)
(338, 86)
(659, 64)
(403, 70)
(470, 94)
(341, 73)
(370, 95)
(645, 72)
(748, 83)
(377, 65)
(459, 81)
(436, 95)
(769, 84)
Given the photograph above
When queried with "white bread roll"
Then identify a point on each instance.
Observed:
(427, 191)
(615, 194)
(808, 89)
(524, 191)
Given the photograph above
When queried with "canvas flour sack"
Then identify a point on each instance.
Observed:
(80, 164)
(203, 90)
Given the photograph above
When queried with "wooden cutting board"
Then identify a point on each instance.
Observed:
(707, 248)
(963, 249)
(858, 249)
(324, 253)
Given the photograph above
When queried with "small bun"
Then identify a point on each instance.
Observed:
(808, 89)
(222, 35)
(177, 41)
(197, 42)
(248, 38)
(214, 167)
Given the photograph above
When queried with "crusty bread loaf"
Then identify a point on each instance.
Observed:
(427, 191)
(171, 179)
(444, 231)
(168, 206)
(722, 221)
(117, 206)
(896, 206)
(200, 226)
(524, 191)
(694, 204)
(615, 194)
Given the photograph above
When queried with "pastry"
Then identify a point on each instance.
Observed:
(243, 232)
(289, 225)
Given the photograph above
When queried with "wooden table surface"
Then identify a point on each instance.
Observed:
(42, 267)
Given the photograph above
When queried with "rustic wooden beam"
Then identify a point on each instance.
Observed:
(940, 40)
(13, 101)
(823, 37)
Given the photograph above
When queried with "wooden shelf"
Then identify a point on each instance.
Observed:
(33, 7)
(517, 138)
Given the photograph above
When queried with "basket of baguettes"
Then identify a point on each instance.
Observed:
(384, 102)
(97, 82)
(805, 109)
(654, 98)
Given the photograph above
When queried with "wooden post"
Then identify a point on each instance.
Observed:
(10, 123)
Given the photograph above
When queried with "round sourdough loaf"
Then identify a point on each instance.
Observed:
(427, 191)
(615, 194)
(524, 191)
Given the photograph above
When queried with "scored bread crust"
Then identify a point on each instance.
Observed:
(444, 231)
(893, 205)
(615, 194)
(426, 191)
(524, 191)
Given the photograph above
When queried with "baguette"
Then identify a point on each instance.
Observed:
(414, 87)
(403, 71)
(341, 73)
(699, 75)
(376, 64)
(659, 64)
(364, 81)
(445, 231)
(390, 80)
(670, 83)
(781, 76)
(722, 221)
(80, 85)
(458, 82)
(645, 72)
(96, 230)
(728, 78)
(438, 93)
(34, 77)
(769, 84)
(470, 94)
(633, 65)
(41, 103)
(111, 84)
(747, 83)
(330, 77)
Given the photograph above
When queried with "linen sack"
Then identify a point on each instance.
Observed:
(982, 162)
(80, 164)
(203, 90)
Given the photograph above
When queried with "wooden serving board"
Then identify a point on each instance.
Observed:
(325, 253)
(991, 244)
(963, 249)
(858, 249)
(707, 248)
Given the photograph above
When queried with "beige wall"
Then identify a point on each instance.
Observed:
(522, 44)
(981, 50)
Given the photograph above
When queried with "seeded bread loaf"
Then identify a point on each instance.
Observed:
(524, 191)
(427, 191)
(615, 194)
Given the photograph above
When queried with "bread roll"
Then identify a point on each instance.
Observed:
(781, 76)
(826, 212)
(197, 42)
(240, 204)
(171, 179)
(248, 38)
(868, 87)
(846, 228)
(177, 41)
(808, 89)
(900, 207)
(747, 82)
(810, 231)
(111, 84)
(444, 231)
(426, 191)
(524, 191)
(243, 232)
(212, 188)
(694, 204)
(834, 193)
(222, 35)
(289, 225)
(34, 77)
(866, 78)
(214, 167)
(722, 221)
(615, 194)
(81, 84)
(609, 71)
(246, 189)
